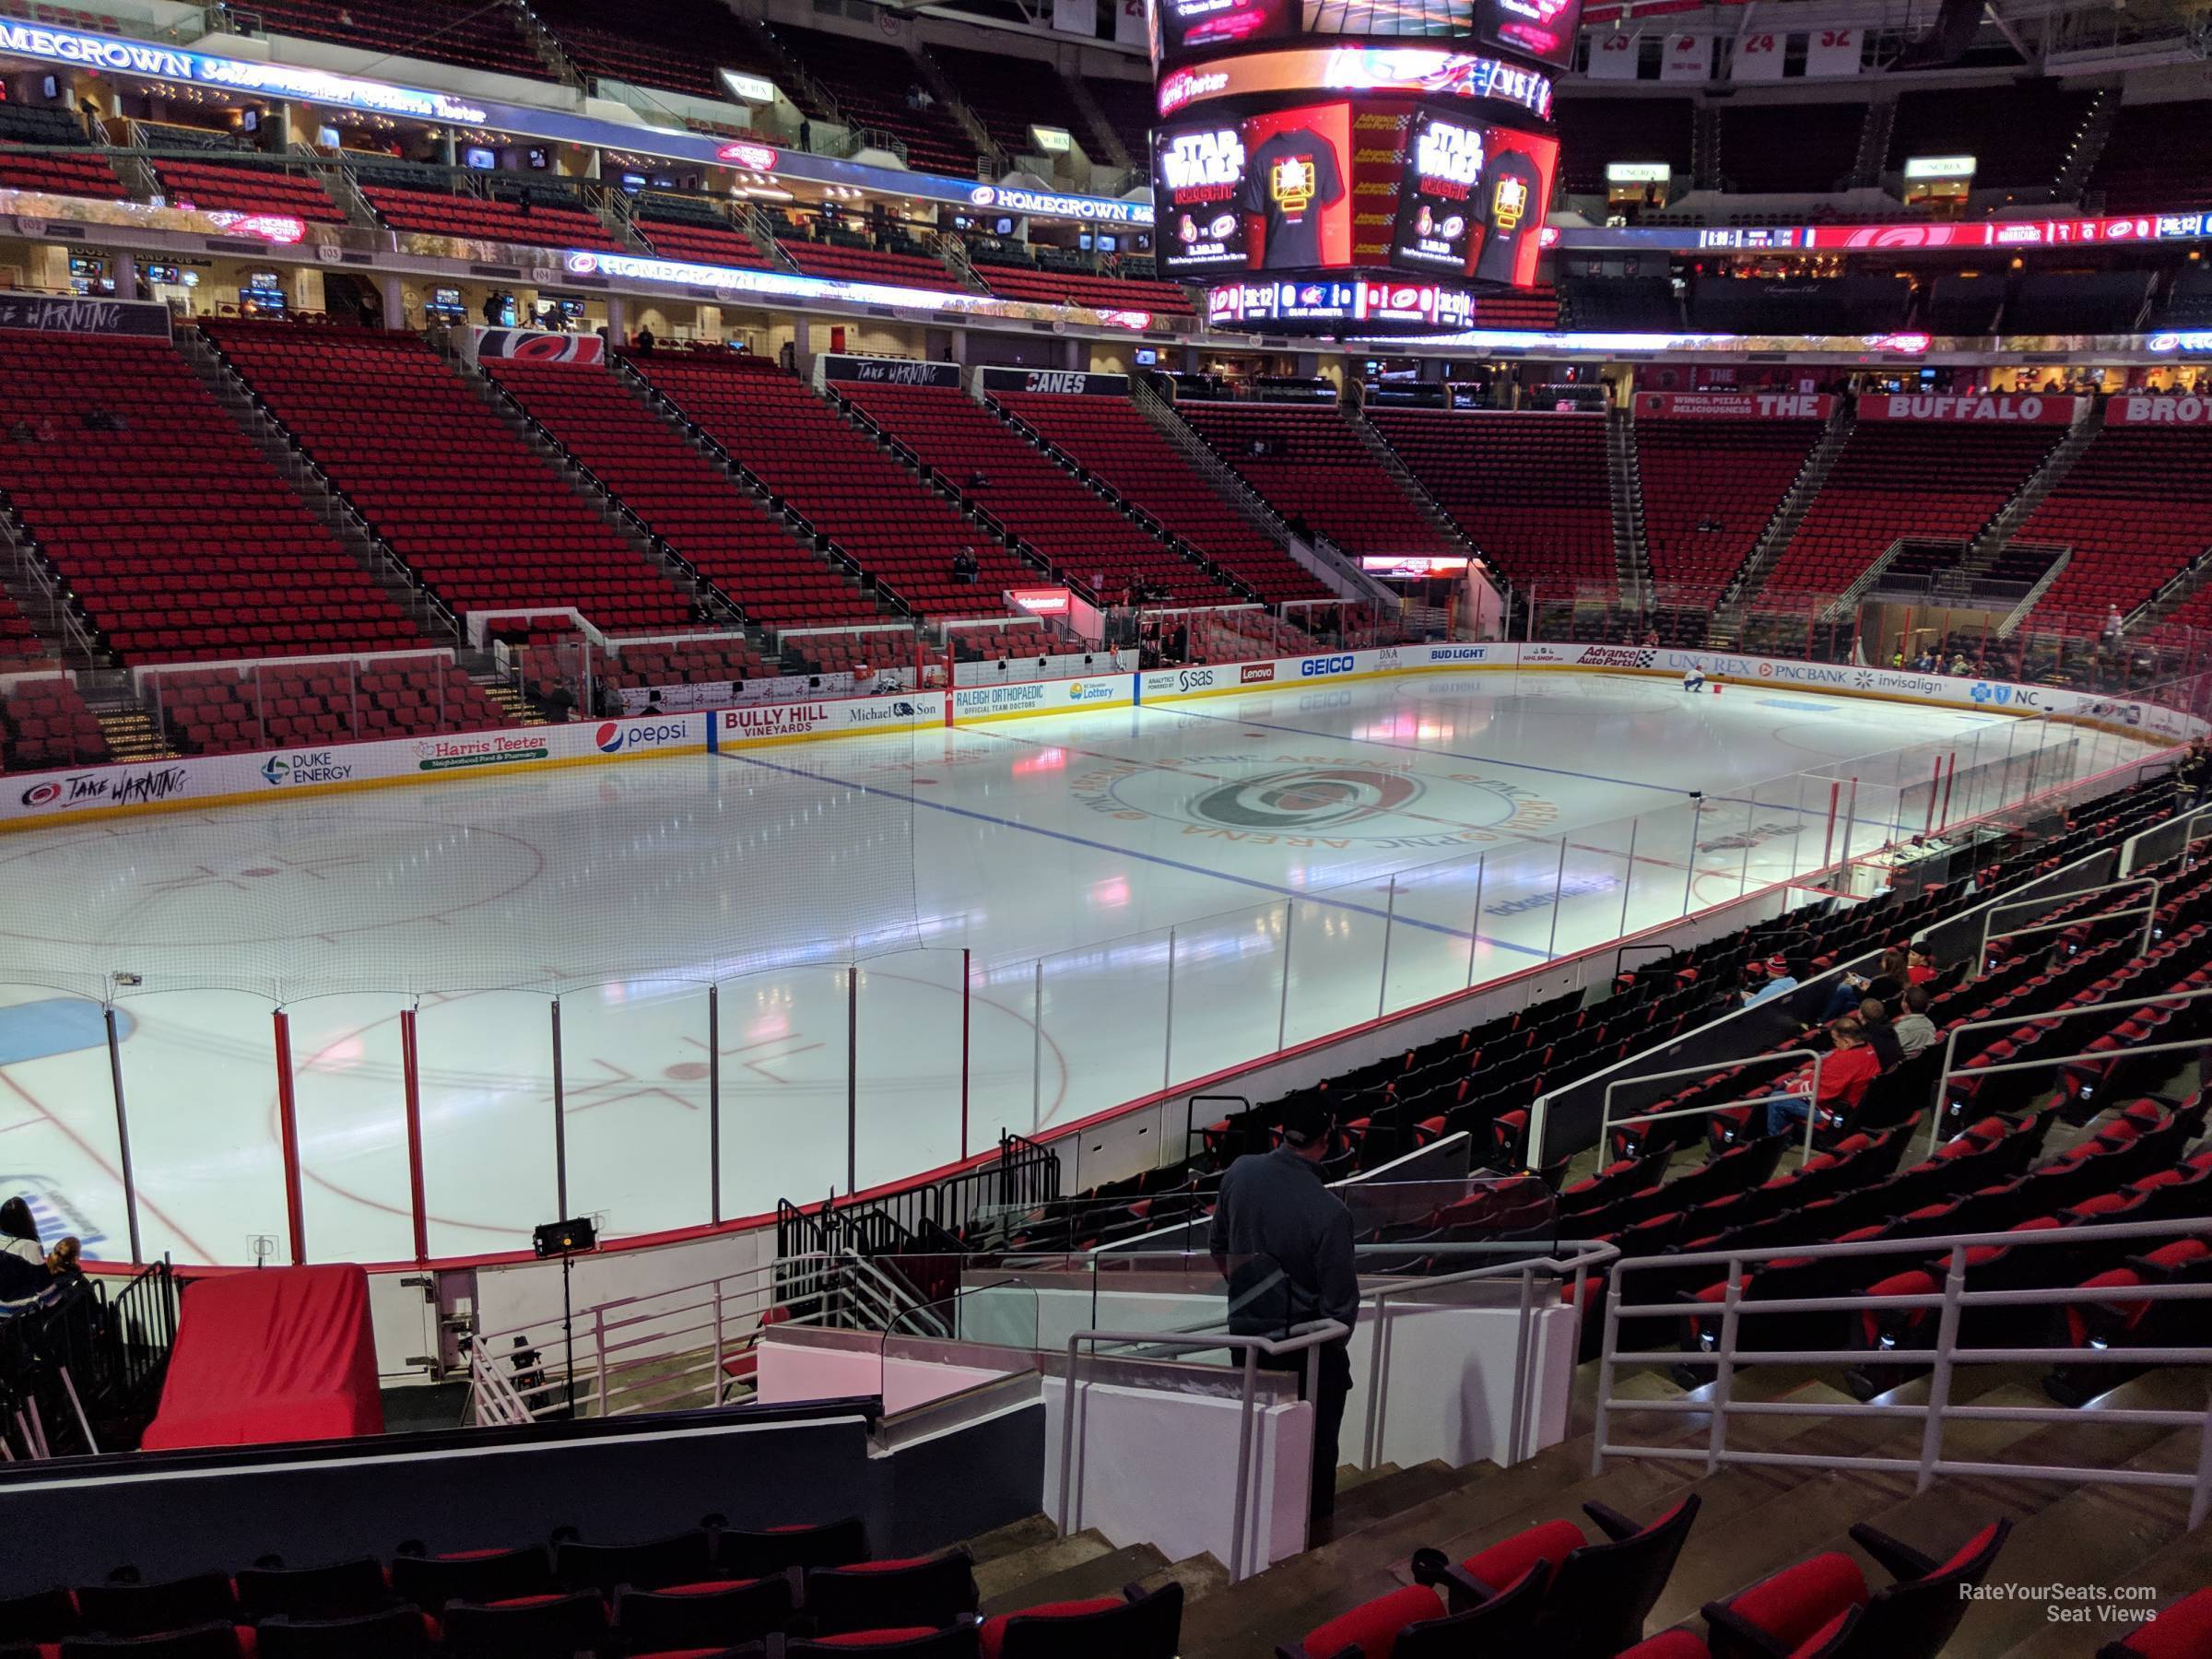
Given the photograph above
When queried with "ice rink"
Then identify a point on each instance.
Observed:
(1146, 895)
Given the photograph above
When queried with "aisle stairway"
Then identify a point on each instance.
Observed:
(1754, 1520)
(132, 732)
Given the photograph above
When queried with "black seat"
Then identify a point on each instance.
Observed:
(215, 1639)
(478, 1575)
(759, 1554)
(536, 1627)
(682, 1559)
(1147, 1625)
(394, 1633)
(42, 1616)
(875, 1596)
(702, 1616)
(1912, 1618)
(126, 1609)
(341, 1590)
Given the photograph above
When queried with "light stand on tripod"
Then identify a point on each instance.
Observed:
(568, 1240)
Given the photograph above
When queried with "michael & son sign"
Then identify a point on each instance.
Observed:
(35, 798)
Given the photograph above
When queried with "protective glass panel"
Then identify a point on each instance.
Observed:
(349, 1089)
(199, 1082)
(909, 1059)
(783, 1065)
(1228, 972)
(1336, 959)
(1105, 1025)
(57, 1108)
(634, 1072)
(486, 1065)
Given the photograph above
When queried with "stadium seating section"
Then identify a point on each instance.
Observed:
(1311, 462)
(1130, 111)
(45, 722)
(2122, 554)
(1051, 283)
(2159, 156)
(480, 519)
(1081, 534)
(161, 567)
(1531, 490)
(877, 512)
(675, 44)
(1788, 148)
(446, 31)
(219, 187)
(1595, 131)
(1008, 95)
(844, 260)
(1711, 487)
(681, 496)
(870, 80)
(286, 705)
(798, 1590)
(1900, 478)
(691, 228)
(462, 213)
(1111, 440)
(2018, 135)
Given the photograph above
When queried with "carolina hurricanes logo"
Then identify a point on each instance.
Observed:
(1307, 798)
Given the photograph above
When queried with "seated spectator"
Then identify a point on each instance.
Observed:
(1920, 968)
(1880, 1038)
(1781, 976)
(1886, 985)
(24, 1277)
(1844, 1074)
(1914, 1031)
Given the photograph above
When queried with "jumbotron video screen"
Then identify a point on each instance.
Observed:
(1337, 166)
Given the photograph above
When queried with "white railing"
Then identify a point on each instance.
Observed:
(1307, 1339)
(1584, 1256)
(2012, 1022)
(665, 1350)
(1944, 1356)
(2149, 910)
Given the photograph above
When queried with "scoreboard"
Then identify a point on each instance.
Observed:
(1324, 164)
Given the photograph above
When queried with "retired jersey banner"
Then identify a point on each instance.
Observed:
(1613, 55)
(2158, 408)
(1758, 57)
(1832, 54)
(1686, 58)
(1734, 406)
(2017, 408)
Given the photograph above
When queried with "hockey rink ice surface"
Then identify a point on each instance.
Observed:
(1200, 881)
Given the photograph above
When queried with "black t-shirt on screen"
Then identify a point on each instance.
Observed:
(1512, 211)
(1287, 181)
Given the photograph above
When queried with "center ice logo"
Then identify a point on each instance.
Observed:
(1308, 798)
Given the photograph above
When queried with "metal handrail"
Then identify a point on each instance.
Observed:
(2012, 1021)
(1307, 1338)
(1588, 1253)
(2126, 859)
(1812, 1117)
(1989, 916)
(1944, 1356)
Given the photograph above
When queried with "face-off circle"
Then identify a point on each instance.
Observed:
(1315, 799)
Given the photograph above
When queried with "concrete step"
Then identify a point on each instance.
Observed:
(2168, 1574)
(1200, 1576)
(1028, 1533)
(1491, 1504)
(1005, 1574)
(1734, 1545)
(1100, 1575)
(1349, 1476)
(1391, 1494)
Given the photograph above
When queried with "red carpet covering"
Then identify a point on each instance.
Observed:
(282, 1354)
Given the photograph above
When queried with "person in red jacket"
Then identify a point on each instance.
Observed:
(1844, 1074)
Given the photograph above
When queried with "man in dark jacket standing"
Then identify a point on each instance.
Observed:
(1284, 1241)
